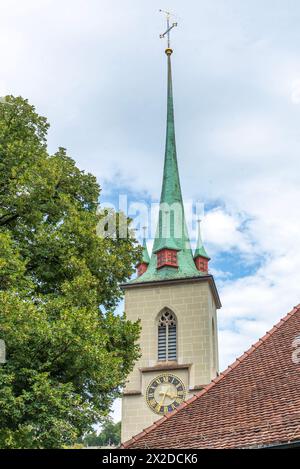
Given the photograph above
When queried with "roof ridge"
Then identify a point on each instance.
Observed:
(216, 380)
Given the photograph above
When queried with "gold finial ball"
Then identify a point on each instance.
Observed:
(169, 51)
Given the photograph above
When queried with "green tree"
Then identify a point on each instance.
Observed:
(68, 355)
(110, 435)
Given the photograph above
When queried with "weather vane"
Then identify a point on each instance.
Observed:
(169, 26)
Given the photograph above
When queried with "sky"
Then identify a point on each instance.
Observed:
(97, 70)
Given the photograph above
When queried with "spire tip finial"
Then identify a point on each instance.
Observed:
(167, 32)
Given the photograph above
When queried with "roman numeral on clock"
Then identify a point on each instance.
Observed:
(157, 408)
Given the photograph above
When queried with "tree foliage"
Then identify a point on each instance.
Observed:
(110, 435)
(68, 355)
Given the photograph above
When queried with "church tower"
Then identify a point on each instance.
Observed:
(176, 300)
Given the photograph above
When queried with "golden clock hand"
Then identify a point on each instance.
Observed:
(164, 396)
(168, 394)
(171, 396)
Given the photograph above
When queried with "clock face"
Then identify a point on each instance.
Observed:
(165, 393)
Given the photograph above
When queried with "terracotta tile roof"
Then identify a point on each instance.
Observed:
(255, 402)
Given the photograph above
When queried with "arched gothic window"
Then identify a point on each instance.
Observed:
(167, 336)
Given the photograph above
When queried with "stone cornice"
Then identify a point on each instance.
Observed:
(203, 278)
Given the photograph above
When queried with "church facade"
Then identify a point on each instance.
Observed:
(176, 300)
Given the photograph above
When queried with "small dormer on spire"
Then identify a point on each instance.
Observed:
(200, 257)
(143, 265)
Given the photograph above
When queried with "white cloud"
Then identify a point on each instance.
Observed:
(223, 231)
(117, 410)
(295, 91)
(4, 90)
(233, 343)
(247, 137)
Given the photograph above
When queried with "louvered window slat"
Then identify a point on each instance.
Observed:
(172, 343)
(162, 340)
(167, 337)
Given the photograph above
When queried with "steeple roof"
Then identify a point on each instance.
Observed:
(171, 230)
(200, 249)
(145, 257)
(171, 191)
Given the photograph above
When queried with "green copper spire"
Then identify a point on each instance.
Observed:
(200, 249)
(169, 234)
(171, 231)
(146, 257)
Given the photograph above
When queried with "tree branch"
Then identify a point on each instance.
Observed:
(9, 219)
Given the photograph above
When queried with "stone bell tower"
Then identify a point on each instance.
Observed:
(176, 300)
